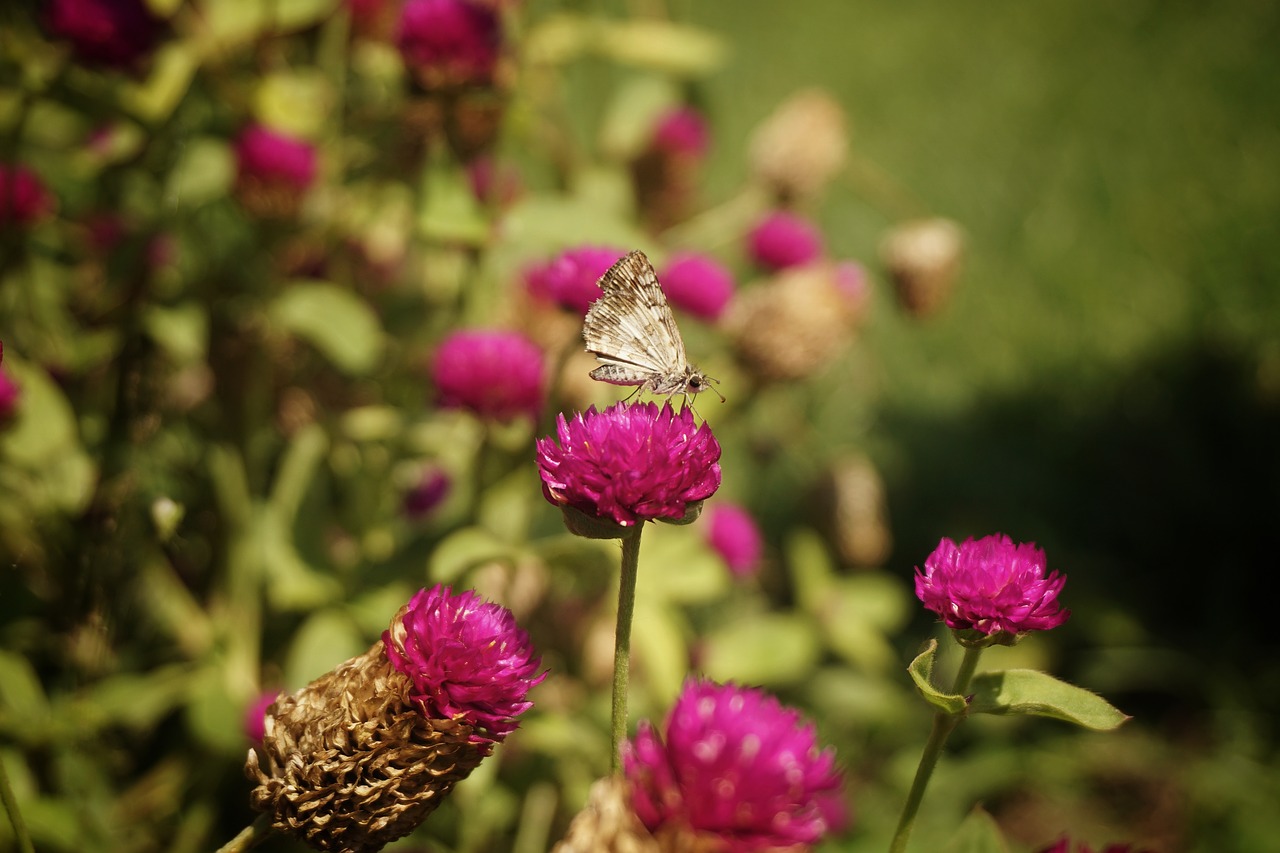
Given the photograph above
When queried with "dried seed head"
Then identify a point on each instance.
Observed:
(856, 509)
(793, 326)
(801, 146)
(607, 823)
(923, 259)
(348, 763)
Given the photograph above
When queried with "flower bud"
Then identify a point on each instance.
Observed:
(923, 259)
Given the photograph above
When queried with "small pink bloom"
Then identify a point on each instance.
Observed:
(682, 130)
(991, 585)
(448, 43)
(111, 33)
(275, 158)
(464, 656)
(783, 239)
(737, 767)
(697, 284)
(495, 374)
(569, 279)
(630, 463)
(429, 492)
(734, 535)
(255, 715)
(23, 197)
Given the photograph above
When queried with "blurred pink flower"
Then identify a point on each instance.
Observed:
(991, 585)
(464, 656)
(630, 463)
(111, 33)
(255, 714)
(734, 535)
(427, 494)
(448, 43)
(783, 239)
(697, 284)
(495, 374)
(569, 279)
(23, 197)
(682, 130)
(492, 181)
(741, 770)
(275, 157)
(10, 396)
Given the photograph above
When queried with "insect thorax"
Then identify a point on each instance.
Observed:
(691, 381)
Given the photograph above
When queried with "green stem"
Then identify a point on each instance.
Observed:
(250, 836)
(622, 641)
(943, 725)
(15, 814)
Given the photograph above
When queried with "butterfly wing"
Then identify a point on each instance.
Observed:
(630, 328)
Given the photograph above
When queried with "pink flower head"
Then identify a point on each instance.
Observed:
(991, 585)
(630, 463)
(495, 374)
(427, 494)
(111, 33)
(738, 766)
(464, 656)
(682, 130)
(255, 715)
(448, 43)
(569, 279)
(734, 535)
(23, 197)
(783, 239)
(275, 158)
(697, 284)
(10, 395)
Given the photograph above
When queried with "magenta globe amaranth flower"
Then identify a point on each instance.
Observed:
(496, 374)
(697, 284)
(255, 715)
(682, 130)
(734, 535)
(430, 490)
(630, 463)
(449, 43)
(569, 279)
(274, 171)
(782, 240)
(991, 586)
(1064, 845)
(23, 197)
(465, 656)
(109, 33)
(737, 769)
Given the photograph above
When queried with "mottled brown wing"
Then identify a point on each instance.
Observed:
(630, 328)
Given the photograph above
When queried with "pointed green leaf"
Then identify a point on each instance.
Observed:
(337, 322)
(1027, 691)
(921, 670)
(979, 833)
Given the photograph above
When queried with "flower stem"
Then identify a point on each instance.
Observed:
(622, 641)
(15, 814)
(250, 836)
(943, 725)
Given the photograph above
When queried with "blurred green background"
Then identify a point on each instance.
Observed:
(1104, 381)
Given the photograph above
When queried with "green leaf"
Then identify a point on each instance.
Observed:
(182, 331)
(464, 550)
(335, 321)
(131, 700)
(979, 833)
(633, 111)
(770, 649)
(921, 670)
(203, 173)
(174, 66)
(328, 638)
(662, 46)
(1027, 691)
(22, 699)
(298, 101)
(45, 427)
(450, 211)
(677, 565)
(658, 640)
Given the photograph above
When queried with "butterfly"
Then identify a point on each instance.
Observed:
(632, 333)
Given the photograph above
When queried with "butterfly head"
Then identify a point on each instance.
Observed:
(695, 382)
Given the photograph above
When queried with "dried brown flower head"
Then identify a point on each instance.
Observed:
(799, 148)
(922, 257)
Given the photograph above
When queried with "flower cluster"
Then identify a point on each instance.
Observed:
(108, 33)
(496, 374)
(10, 393)
(449, 43)
(466, 658)
(697, 284)
(990, 586)
(273, 171)
(23, 197)
(737, 769)
(732, 532)
(630, 464)
(783, 239)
